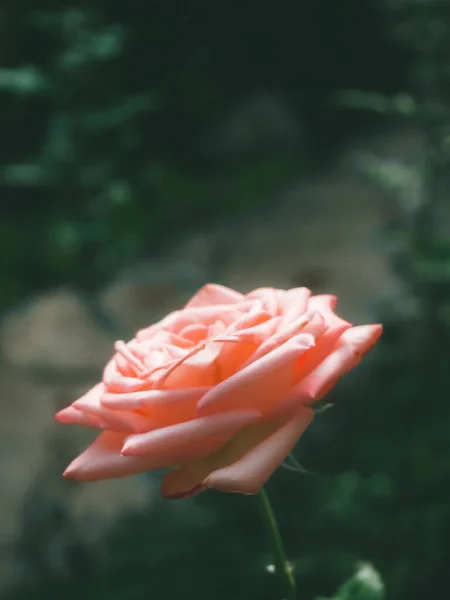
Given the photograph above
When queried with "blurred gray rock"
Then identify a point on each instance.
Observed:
(54, 332)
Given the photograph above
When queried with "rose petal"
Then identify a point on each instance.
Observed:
(167, 407)
(244, 464)
(195, 333)
(172, 399)
(325, 304)
(255, 334)
(102, 460)
(313, 324)
(270, 298)
(362, 337)
(126, 421)
(198, 369)
(250, 473)
(125, 352)
(175, 322)
(123, 367)
(71, 416)
(123, 385)
(155, 359)
(295, 303)
(174, 444)
(261, 384)
(249, 318)
(159, 340)
(240, 341)
(232, 356)
(212, 294)
(326, 342)
(110, 371)
(353, 344)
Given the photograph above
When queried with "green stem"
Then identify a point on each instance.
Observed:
(282, 567)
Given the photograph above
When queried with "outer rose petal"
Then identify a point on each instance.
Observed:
(212, 294)
(162, 407)
(311, 324)
(121, 384)
(176, 321)
(172, 399)
(295, 303)
(325, 343)
(353, 344)
(251, 472)
(103, 460)
(206, 315)
(71, 416)
(170, 445)
(270, 298)
(261, 384)
(125, 420)
(242, 467)
(325, 305)
(362, 337)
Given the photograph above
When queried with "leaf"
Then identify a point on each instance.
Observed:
(26, 175)
(121, 114)
(366, 584)
(403, 105)
(363, 100)
(24, 81)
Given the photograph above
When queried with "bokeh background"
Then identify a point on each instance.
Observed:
(149, 147)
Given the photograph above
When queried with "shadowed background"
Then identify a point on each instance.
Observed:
(149, 147)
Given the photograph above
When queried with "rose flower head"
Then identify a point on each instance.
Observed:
(220, 390)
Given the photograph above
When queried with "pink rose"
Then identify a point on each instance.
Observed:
(220, 389)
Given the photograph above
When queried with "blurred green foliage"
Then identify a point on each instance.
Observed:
(364, 585)
(102, 109)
